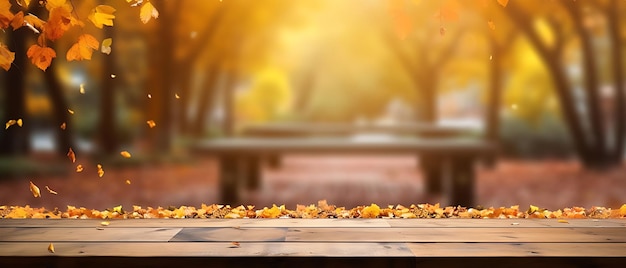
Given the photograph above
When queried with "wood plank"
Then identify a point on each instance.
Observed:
(452, 234)
(230, 234)
(157, 223)
(17, 234)
(505, 223)
(518, 249)
(225, 249)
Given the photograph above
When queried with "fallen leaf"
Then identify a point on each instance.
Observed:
(147, 12)
(151, 123)
(102, 15)
(563, 221)
(106, 46)
(118, 209)
(100, 171)
(51, 191)
(371, 211)
(71, 155)
(6, 57)
(35, 190)
(104, 223)
(83, 48)
(125, 154)
(235, 244)
(51, 248)
(79, 168)
(41, 56)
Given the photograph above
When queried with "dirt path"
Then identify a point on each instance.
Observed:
(342, 181)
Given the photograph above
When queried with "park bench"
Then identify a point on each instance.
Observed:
(239, 158)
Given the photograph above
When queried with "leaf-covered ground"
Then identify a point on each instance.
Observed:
(345, 182)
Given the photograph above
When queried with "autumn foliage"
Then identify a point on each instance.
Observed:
(61, 18)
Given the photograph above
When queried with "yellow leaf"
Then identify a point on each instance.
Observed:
(82, 89)
(9, 123)
(70, 111)
(176, 96)
(118, 209)
(83, 49)
(125, 154)
(102, 15)
(19, 122)
(51, 191)
(79, 168)
(371, 211)
(35, 190)
(51, 248)
(104, 223)
(6, 57)
(151, 123)
(503, 2)
(563, 221)
(106, 46)
(41, 56)
(622, 210)
(128, 182)
(533, 209)
(100, 171)
(147, 12)
(71, 155)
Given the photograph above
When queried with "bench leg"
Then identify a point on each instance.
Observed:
(432, 167)
(462, 179)
(253, 172)
(228, 180)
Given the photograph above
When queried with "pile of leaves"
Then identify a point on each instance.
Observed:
(321, 210)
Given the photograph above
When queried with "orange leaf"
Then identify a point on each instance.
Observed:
(128, 182)
(51, 248)
(6, 57)
(125, 154)
(59, 22)
(100, 171)
(147, 12)
(71, 155)
(83, 49)
(18, 20)
(79, 168)
(6, 16)
(63, 126)
(102, 15)
(503, 2)
(33, 22)
(151, 123)
(35, 190)
(41, 56)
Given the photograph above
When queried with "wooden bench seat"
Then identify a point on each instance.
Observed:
(314, 243)
(239, 158)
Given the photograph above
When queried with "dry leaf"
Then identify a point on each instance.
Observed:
(41, 56)
(563, 221)
(235, 244)
(51, 248)
(9, 123)
(51, 191)
(104, 223)
(6, 57)
(147, 12)
(83, 49)
(106, 46)
(71, 155)
(102, 15)
(19, 122)
(35, 190)
(79, 168)
(151, 123)
(125, 154)
(63, 126)
(100, 171)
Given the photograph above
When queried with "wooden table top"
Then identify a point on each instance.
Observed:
(601, 241)
(332, 129)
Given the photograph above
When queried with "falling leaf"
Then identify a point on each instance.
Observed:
(83, 49)
(9, 123)
(235, 244)
(79, 168)
(71, 155)
(104, 223)
(128, 182)
(490, 57)
(63, 126)
(503, 2)
(113, 76)
(6, 16)
(100, 171)
(102, 15)
(59, 21)
(51, 248)
(149, 96)
(125, 154)
(35, 190)
(147, 12)
(6, 57)
(51, 191)
(82, 89)
(492, 25)
(106, 46)
(41, 56)
(19, 122)
(70, 111)
(176, 96)
(151, 123)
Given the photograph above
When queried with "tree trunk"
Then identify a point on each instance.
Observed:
(15, 140)
(493, 107)
(206, 98)
(229, 104)
(59, 106)
(618, 78)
